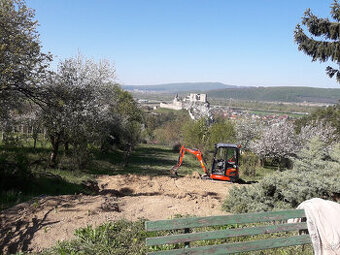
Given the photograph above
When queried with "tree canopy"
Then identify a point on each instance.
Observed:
(328, 31)
(86, 107)
(22, 63)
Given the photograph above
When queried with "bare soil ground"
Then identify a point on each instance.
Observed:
(38, 224)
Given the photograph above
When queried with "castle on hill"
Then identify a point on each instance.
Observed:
(196, 104)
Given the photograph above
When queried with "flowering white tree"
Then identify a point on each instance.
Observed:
(325, 132)
(73, 96)
(86, 107)
(246, 131)
(278, 141)
(32, 120)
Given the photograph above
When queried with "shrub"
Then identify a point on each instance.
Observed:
(14, 170)
(283, 190)
(200, 134)
(196, 133)
(169, 133)
(176, 147)
(249, 162)
(309, 178)
(221, 132)
(120, 237)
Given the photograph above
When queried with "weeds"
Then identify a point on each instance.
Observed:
(126, 237)
(121, 237)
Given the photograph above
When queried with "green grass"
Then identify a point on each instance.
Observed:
(164, 110)
(65, 179)
(33, 176)
(158, 160)
(265, 113)
(150, 160)
(260, 172)
(263, 106)
(145, 160)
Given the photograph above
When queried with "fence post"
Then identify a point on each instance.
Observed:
(187, 244)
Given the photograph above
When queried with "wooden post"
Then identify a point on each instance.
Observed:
(187, 244)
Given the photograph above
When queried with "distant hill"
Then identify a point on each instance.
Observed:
(282, 94)
(220, 90)
(180, 87)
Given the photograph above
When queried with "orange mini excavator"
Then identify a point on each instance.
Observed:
(224, 166)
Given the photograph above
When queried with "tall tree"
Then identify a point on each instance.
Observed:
(79, 95)
(22, 64)
(328, 32)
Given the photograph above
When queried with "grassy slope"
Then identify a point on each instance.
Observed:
(146, 160)
(111, 238)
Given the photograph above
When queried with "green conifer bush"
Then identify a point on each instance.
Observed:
(316, 173)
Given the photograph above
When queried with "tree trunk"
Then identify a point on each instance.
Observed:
(55, 147)
(127, 155)
(262, 162)
(34, 143)
(281, 162)
(66, 146)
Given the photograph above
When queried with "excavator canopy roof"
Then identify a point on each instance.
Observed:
(226, 145)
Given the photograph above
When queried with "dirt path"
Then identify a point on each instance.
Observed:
(39, 224)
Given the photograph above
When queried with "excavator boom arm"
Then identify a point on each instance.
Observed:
(196, 152)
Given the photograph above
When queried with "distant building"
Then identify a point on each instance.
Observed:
(196, 104)
(176, 104)
(197, 98)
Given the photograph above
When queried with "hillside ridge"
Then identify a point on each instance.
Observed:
(180, 87)
(282, 94)
(219, 90)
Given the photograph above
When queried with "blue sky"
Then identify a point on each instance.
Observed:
(248, 42)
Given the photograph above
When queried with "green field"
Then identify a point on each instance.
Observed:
(280, 94)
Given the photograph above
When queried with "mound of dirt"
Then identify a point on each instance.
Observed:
(41, 222)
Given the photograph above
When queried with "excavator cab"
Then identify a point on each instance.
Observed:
(225, 165)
